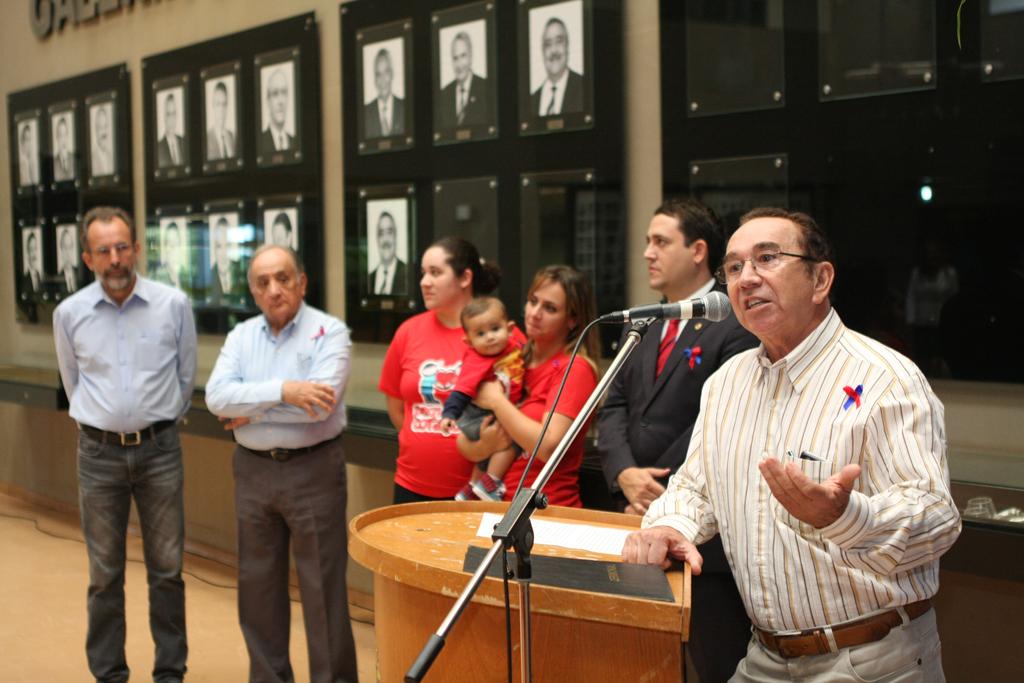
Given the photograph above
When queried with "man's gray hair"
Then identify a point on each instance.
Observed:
(296, 261)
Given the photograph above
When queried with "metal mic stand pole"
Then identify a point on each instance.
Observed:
(515, 531)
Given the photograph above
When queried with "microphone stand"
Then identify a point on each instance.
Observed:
(515, 531)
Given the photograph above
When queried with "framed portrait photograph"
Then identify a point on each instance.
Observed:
(280, 221)
(465, 73)
(230, 247)
(33, 277)
(171, 142)
(70, 269)
(556, 90)
(26, 127)
(174, 254)
(102, 139)
(222, 144)
(63, 145)
(278, 107)
(388, 221)
(384, 72)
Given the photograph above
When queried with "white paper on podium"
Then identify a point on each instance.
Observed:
(597, 539)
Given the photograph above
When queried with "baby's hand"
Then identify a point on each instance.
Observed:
(447, 426)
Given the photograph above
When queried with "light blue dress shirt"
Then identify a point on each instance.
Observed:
(126, 367)
(254, 365)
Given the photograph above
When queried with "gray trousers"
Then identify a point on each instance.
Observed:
(302, 501)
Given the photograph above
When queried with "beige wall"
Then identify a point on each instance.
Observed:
(985, 423)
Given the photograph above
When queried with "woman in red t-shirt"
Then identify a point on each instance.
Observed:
(422, 365)
(559, 304)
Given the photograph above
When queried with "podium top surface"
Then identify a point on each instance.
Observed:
(423, 545)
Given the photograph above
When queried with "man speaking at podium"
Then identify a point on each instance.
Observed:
(644, 426)
(820, 458)
(278, 383)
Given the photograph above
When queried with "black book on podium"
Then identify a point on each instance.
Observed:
(597, 576)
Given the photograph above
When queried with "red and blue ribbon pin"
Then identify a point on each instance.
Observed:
(692, 354)
(853, 396)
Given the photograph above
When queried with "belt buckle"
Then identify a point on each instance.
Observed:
(280, 455)
(130, 438)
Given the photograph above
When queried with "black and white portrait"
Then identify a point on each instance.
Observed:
(278, 125)
(227, 277)
(221, 117)
(557, 59)
(102, 157)
(387, 252)
(384, 87)
(62, 128)
(173, 262)
(69, 263)
(281, 227)
(464, 98)
(31, 260)
(28, 151)
(171, 132)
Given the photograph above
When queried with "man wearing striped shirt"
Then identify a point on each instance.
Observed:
(820, 458)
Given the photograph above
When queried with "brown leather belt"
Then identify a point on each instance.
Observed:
(816, 641)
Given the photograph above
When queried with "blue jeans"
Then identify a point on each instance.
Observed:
(108, 477)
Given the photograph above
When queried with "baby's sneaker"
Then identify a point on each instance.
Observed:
(489, 488)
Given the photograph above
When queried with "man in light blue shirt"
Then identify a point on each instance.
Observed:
(126, 347)
(278, 384)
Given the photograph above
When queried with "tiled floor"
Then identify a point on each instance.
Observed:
(43, 580)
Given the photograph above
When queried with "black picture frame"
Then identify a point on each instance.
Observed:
(277, 145)
(376, 48)
(296, 173)
(172, 154)
(62, 144)
(223, 142)
(280, 221)
(27, 166)
(52, 202)
(560, 23)
(387, 224)
(102, 118)
(465, 51)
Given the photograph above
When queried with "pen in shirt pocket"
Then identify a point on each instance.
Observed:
(805, 455)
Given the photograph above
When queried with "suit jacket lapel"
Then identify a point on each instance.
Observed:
(676, 360)
(650, 358)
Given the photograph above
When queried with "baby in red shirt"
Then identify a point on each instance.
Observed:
(495, 353)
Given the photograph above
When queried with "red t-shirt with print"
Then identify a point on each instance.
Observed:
(541, 385)
(421, 368)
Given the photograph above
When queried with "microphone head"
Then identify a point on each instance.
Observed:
(716, 307)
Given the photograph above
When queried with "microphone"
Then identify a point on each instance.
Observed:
(713, 306)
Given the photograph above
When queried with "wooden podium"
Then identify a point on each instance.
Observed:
(416, 553)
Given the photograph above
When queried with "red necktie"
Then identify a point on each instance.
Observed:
(667, 343)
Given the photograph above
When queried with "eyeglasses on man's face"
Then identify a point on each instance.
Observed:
(763, 260)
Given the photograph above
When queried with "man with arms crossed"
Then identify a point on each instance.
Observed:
(648, 415)
(278, 384)
(126, 347)
(820, 457)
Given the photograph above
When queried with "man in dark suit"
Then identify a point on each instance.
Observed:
(170, 150)
(227, 279)
(644, 427)
(32, 276)
(274, 137)
(388, 278)
(63, 157)
(562, 91)
(385, 116)
(220, 141)
(70, 272)
(464, 101)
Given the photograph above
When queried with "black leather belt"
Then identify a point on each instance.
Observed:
(127, 438)
(286, 454)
